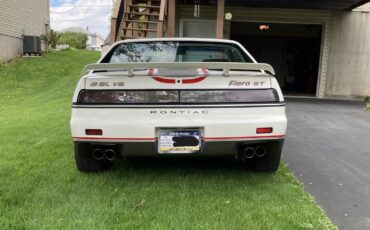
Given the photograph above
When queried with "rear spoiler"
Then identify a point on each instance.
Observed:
(225, 66)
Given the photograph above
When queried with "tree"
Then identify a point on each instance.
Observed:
(73, 39)
(51, 38)
(367, 103)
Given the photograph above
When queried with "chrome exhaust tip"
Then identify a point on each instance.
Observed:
(110, 154)
(249, 152)
(260, 151)
(98, 154)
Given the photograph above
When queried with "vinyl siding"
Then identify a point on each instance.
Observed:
(27, 15)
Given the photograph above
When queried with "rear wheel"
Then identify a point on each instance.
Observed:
(268, 163)
(85, 161)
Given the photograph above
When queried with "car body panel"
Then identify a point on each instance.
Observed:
(142, 124)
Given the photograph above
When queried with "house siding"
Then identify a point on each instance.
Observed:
(16, 17)
(9, 47)
(349, 57)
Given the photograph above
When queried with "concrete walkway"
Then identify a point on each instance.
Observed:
(328, 149)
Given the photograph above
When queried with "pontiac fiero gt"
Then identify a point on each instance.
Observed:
(178, 97)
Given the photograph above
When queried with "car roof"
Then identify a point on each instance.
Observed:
(177, 39)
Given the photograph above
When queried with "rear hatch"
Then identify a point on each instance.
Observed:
(178, 83)
(165, 86)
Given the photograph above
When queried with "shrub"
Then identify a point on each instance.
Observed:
(51, 38)
(367, 103)
(73, 39)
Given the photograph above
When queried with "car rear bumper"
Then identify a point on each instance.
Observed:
(135, 131)
(209, 148)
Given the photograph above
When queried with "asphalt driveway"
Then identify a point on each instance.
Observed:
(328, 148)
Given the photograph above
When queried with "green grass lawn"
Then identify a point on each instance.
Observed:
(40, 187)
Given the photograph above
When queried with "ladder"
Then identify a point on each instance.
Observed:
(143, 18)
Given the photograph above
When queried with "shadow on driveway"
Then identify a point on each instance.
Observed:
(328, 148)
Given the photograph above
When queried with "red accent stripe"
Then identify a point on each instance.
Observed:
(115, 139)
(246, 137)
(173, 81)
(154, 139)
(165, 80)
(192, 81)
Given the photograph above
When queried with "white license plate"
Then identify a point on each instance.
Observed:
(179, 141)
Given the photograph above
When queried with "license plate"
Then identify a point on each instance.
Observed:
(176, 141)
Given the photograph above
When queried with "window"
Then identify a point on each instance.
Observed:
(163, 51)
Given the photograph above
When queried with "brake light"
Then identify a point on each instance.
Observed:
(264, 130)
(128, 96)
(94, 132)
(177, 96)
(228, 96)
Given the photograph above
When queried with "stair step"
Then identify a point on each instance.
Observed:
(138, 29)
(143, 6)
(143, 14)
(130, 37)
(147, 22)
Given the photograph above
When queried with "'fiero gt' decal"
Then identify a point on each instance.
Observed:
(166, 75)
(234, 83)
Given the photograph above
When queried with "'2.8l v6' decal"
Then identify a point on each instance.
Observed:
(107, 84)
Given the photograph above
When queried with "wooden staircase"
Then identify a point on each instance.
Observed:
(143, 18)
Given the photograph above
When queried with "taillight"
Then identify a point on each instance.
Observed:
(264, 130)
(94, 132)
(177, 96)
(228, 96)
(128, 97)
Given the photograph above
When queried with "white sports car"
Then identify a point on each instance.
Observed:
(176, 97)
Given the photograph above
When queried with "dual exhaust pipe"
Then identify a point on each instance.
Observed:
(251, 152)
(247, 153)
(108, 154)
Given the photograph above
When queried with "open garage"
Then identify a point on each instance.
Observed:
(294, 50)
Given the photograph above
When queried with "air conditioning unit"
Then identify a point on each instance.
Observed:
(31, 45)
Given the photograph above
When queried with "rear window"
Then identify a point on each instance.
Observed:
(168, 51)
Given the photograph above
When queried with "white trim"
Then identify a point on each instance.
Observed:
(324, 57)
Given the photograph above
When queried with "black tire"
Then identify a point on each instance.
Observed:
(270, 161)
(85, 162)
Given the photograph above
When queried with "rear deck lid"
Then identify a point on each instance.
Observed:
(178, 76)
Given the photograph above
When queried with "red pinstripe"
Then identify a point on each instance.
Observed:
(154, 139)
